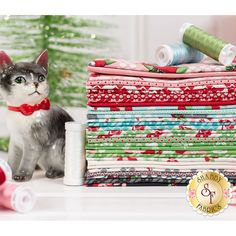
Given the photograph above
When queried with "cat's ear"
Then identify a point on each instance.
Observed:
(42, 60)
(5, 60)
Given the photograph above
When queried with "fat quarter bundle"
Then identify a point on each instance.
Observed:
(152, 125)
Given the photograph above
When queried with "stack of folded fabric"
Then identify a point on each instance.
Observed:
(150, 125)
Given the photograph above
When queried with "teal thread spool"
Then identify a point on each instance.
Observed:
(176, 54)
(208, 44)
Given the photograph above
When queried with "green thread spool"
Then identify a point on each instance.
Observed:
(208, 44)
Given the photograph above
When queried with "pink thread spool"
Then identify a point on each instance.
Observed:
(17, 197)
(5, 173)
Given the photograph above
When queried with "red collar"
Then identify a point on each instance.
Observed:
(28, 110)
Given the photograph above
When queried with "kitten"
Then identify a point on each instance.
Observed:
(37, 132)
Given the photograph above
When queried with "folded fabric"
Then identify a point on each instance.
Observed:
(179, 97)
(137, 180)
(121, 148)
(140, 182)
(114, 82)
(132, 118)
(149, 161)
(123, 67)
(158, 133)
(159, 152)
(209, 85)
(149, 117)
(157, 100)
(151, 172)
(141, 146)
(119, 183)
(159, 113)
(130, 131)
(154, 103)
(204, 87)
(98, 127)
(164, 141)
(162, 138)
(165, 124)
(162, 157)
(152, 117)
(98, 110)
(100, 163)
(165, 165)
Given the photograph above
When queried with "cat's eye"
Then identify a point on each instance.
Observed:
(20, 80)
(41, 78)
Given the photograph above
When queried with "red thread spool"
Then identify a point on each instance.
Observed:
(3, 177)
(5, 172)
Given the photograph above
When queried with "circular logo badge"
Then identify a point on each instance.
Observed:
(209, 192)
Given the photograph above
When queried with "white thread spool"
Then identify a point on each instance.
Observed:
(164, 55)
(75, 162)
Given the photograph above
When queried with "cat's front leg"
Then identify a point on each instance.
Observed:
(14, 155)
(31, 155)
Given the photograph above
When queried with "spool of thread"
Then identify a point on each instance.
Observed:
(17, 197)
(176, 54)
(5, 173)
(208, 44)
(75, 162)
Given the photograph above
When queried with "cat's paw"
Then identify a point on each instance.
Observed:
(54, 174)
(22, 176)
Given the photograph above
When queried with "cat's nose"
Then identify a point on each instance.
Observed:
(36, 84)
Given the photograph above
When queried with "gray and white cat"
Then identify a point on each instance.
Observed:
(37, 138)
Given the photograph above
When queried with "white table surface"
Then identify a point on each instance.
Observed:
(56, 201)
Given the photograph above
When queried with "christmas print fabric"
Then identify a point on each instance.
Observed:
(158, 126)
(128, 91)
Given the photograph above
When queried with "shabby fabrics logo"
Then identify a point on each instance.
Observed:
(209, 192)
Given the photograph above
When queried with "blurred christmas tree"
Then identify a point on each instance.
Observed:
(71, 41)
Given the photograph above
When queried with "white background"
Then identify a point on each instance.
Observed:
(138, 36)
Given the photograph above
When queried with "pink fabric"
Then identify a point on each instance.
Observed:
(110, 81)
(140, 67)
(111, 71)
